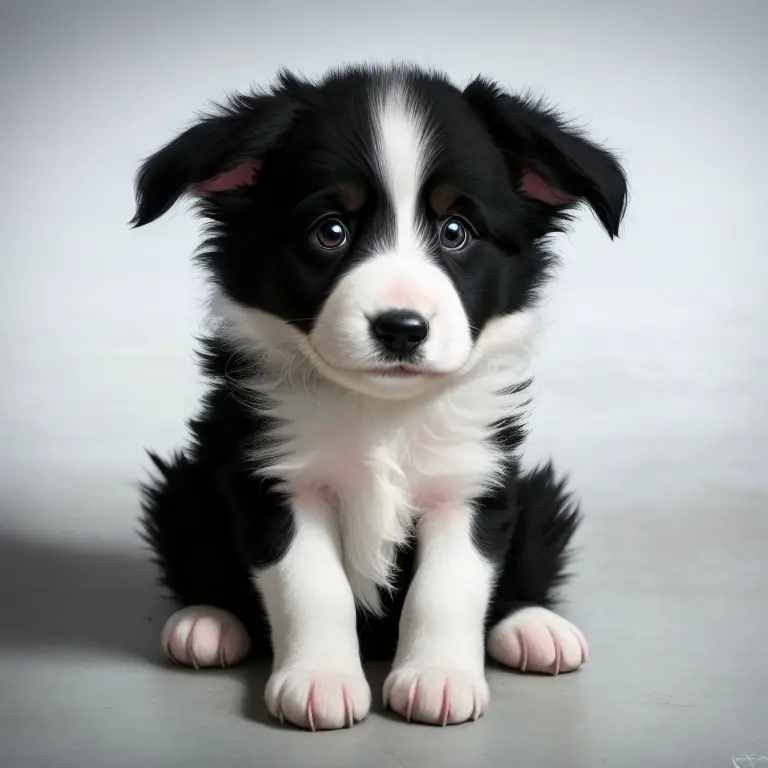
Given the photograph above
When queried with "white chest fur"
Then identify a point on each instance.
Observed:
(382, 463)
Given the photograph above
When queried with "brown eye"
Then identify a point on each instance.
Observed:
(330, 234)
(454, 234)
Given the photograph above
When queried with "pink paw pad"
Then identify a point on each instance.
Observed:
(204, 636)
(318, 700)
(538, 640)
(436, 695)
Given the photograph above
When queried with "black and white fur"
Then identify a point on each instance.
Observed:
(376, 244)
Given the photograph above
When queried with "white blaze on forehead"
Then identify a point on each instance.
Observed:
(404, 153)
(397, 270)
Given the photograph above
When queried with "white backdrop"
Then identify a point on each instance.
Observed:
(653, 376)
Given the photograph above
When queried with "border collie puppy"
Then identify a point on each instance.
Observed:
(376, 242)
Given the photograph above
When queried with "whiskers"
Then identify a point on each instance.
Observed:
(302, 365)
(236, 384)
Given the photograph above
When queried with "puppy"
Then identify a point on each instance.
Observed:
(376, 242)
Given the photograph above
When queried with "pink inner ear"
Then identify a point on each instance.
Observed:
(242, 175)
(532, 185)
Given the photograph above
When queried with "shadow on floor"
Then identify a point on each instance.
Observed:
(80, 597)
(65, 596)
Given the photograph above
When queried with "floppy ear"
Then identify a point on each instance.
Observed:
(221, 152)
(552, 163)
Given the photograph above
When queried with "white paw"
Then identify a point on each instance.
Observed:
(319, 701)
(436, 695)
(538, 640)
(204, 636)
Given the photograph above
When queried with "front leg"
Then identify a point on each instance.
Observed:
(317, 679)
(438, 674)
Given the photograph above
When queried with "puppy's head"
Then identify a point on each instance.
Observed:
(382, 223)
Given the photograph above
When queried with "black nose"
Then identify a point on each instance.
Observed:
(400, 330)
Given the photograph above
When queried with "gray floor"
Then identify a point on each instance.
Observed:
(653, 379)
(674, 606)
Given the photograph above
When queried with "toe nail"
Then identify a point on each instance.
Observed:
(350, 715)
(411, 699)
(310, 704)
(169, 653)
(446, 707)
(558, 654)
(190, 649)
(523, 650)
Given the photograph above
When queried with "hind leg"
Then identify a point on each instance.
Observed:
(524, 633)
(535, 639)
(205, 636)
(187, 521)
